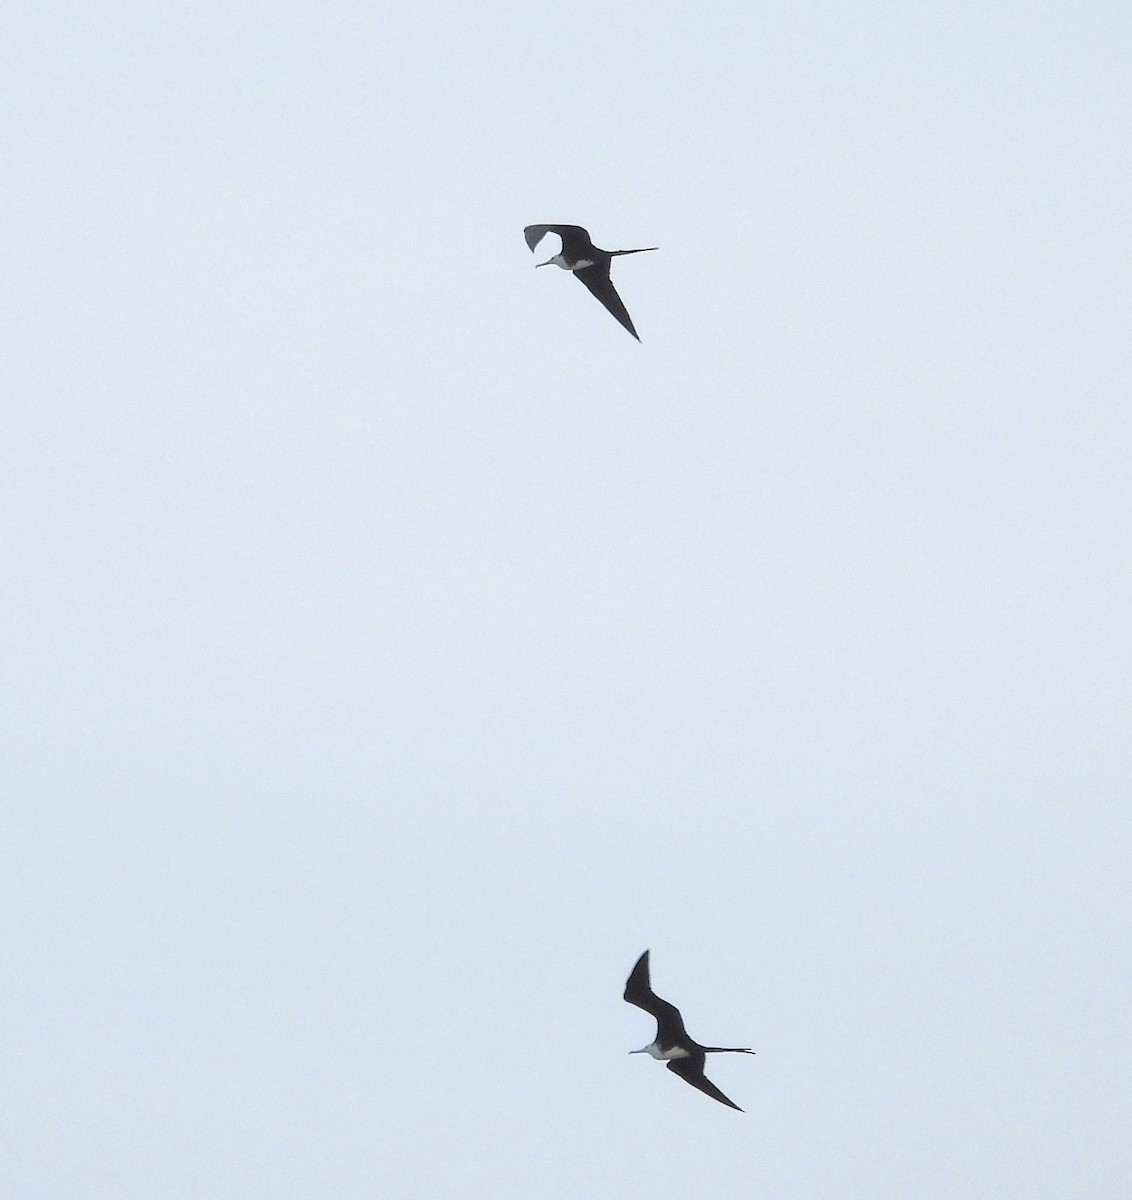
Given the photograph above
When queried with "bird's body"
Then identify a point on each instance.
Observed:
(684, 1055)
(588, 262)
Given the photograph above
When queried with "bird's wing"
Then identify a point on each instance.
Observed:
(535, 233)
(691, 1070)
(596, 278)
(638, 991)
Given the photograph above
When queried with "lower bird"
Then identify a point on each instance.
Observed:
(685, 1057)
(589, 263)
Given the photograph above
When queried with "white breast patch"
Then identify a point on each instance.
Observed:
(667, 1055)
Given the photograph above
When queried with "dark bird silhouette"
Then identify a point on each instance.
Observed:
(589, 264)
(685, 1057)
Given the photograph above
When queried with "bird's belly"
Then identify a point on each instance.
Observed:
(673, 1052)
(581, 264)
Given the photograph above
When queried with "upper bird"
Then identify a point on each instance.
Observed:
(685, 1056)
(589, 264)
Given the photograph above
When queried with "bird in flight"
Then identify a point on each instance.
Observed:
(589, 264)
(685, 1057)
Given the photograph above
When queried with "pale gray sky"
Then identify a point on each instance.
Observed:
(393, 649)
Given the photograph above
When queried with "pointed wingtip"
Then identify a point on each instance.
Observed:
(687, 1070)
(638, 981)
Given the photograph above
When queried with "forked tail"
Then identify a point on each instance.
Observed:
(728, 1050)
(642, 250)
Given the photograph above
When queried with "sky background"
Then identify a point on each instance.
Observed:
(391, 648)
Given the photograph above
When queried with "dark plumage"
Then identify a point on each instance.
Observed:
(684, 1055)
(588, 262)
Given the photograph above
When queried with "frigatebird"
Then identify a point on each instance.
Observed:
(685, 1056)
(589, 263)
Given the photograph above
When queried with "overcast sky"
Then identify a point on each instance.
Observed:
(391, 648)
